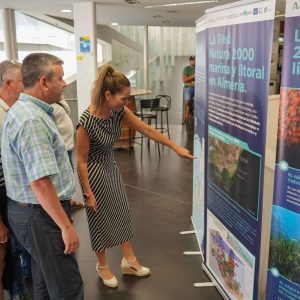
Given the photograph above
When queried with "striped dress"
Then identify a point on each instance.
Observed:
(111, 224)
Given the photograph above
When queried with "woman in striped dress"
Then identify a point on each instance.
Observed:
(107, 206)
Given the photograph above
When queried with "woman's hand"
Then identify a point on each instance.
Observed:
(91, 203)
(4, 233)
(185, 153)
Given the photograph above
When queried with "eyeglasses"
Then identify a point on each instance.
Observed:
(5, 66)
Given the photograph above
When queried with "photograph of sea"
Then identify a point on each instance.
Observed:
(284, 253)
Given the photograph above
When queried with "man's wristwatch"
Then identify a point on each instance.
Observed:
(87, 195)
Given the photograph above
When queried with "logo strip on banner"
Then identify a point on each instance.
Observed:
(243, 13)
(284, 254)
(198, 214)
(239, 42)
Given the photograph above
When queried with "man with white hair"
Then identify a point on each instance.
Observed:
(11, 86)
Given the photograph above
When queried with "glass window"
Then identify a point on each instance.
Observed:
(37, 36)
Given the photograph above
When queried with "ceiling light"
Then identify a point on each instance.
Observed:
(66, 10)
(180, 4)
(114, 24)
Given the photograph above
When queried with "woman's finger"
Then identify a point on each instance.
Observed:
(95, 208)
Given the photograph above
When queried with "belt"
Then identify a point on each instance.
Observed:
(37, 205)
(27, 204)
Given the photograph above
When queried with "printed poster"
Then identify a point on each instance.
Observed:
(198, 215)
(238, 69)
(85, 44)
(284, 254)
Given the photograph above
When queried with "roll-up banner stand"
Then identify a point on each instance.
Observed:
(284, 255)
(200, 136)
(238, 43)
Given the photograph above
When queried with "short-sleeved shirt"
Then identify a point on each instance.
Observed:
(33, 149)
(64, 123)
(188, 71)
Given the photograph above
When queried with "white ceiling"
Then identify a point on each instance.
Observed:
(126, 14)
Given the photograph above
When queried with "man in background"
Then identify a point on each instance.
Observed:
(188, 79)
(62, 112)
(11, 86)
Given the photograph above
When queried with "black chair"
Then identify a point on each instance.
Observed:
(164, 106)
(148, 111)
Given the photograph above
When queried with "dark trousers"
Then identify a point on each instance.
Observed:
(15, 249)
(8, 277)
(55, 275)
(13, 269)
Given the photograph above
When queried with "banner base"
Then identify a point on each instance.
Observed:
(192, 253)
(214, 282)
(203, 284)
(187, 232)
(199, 244)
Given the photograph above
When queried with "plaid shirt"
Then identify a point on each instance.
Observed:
(32, 148)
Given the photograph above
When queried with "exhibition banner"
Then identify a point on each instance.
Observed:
(200, 136)
(284, 256)
(239, 43)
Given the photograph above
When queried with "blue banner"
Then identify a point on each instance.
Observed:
(284, 256)
(239, 43)
(200, 136)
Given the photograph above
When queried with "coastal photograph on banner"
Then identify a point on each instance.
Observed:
(230, 262)
(284, 259)
(236, 172)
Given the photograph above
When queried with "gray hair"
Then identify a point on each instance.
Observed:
(36, 65)
(7, 67)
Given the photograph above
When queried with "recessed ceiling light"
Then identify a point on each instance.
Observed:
(66, 10)
(183, 3)
(114, 24)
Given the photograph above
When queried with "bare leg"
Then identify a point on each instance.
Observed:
(105, 272)
(130, 265)
(2, 265)
(184, 116)
(186, 113)
(128, 254)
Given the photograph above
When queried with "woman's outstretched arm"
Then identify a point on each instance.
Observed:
(135, 123)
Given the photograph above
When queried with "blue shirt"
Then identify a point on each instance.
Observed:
(32, 148)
